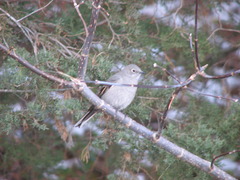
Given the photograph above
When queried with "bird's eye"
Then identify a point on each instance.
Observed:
(133, 70)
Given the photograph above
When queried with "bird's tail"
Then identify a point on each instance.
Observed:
(90, 113)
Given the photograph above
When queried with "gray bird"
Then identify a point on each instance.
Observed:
(118, 97)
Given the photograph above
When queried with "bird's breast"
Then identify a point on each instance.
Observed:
(119, 97)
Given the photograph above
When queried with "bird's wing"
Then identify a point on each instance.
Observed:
(93, 110)
(113, 79)
(89, 114)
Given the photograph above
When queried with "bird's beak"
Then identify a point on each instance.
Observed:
(141, 72)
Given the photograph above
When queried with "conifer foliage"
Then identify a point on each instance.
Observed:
(54, 55)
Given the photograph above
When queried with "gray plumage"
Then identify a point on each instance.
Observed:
(118, 97)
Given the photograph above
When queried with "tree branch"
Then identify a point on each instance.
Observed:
(34, 69)
(35, 11)
(80, 15)
(195, 53)
(96, 6)
(162, 142)
(25, 30)
(197, 64)
(223, 154)
(162, 122)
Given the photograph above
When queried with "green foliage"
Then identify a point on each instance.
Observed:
(28, 136)
(35, 159)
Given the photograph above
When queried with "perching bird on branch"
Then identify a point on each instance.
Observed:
(118, 97)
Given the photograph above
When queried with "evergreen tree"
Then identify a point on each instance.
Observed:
(37, 115)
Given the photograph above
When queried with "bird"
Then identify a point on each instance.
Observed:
(118, 97)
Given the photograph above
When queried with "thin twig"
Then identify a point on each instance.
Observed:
(167, 72)
(222, 29)
(176, 12)
(35, 11)
(220, 76)
(113, 32)
(174, 18)
(62, 45)
(25, 63)
(25, 32)
(205, 75)
(161, 121)
(30, 91)
(204, 94)
(76, 6)
(223, 154)
(197, 64)
(15, 91)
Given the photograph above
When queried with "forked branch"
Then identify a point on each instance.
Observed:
(195, 52)
(83, 62)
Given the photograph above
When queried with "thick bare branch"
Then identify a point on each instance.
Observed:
(162, 142)
(96, 6)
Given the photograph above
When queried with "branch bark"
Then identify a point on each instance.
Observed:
(96, 6)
